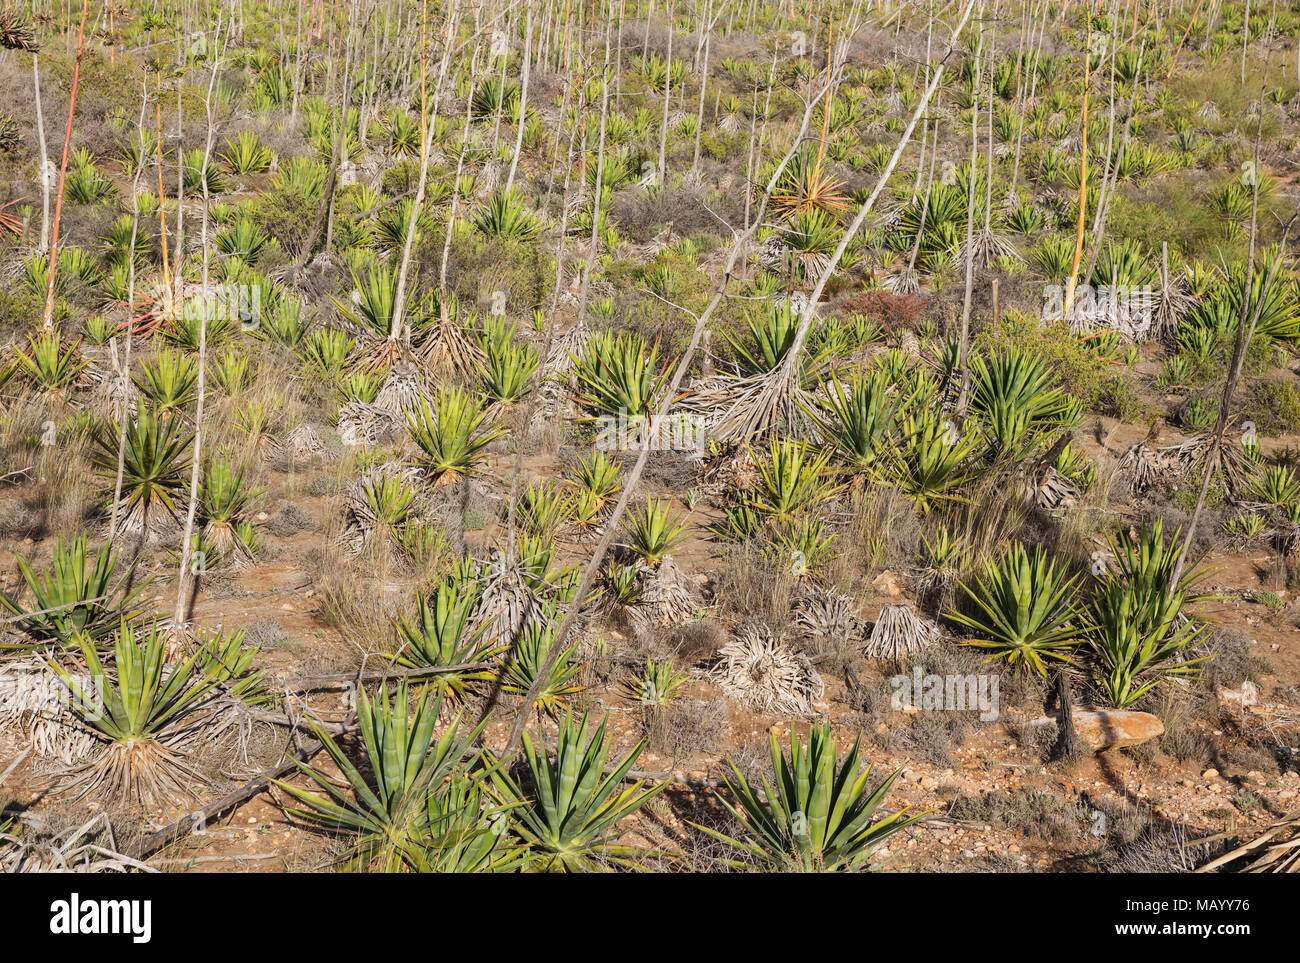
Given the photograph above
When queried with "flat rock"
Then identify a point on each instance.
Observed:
(1113, 728)
(1117, 728)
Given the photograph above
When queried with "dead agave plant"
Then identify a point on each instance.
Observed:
(17, 31)
(899, 632)
(1275, 850)
(304, 443)
(759, 670)
(826, 617)
(85, 848)
(29, 706)
(403, 390)
(667, 596)
(506, 603)
(361, 423)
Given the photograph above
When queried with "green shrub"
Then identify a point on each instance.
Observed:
(1274, 406)
(1119, 399)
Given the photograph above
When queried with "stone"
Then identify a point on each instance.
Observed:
(1112, 728)
(888, 583)
(1210, 774)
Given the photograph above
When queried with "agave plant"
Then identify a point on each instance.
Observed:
(1146, 564)
(153, 467)
(392, 224)
(507, 367)
(169, 380)
(772, 331)
(283, 323)
(304, 176)
(596, 481)
(80, 263)
(930, 463)
(17, 32)
(52, 367)
(658, 684)
(199, 318)
(231, 372)
(1139, 631)
(452, 433)
(535, 557)
(494, 94)
(505, 215)
(1245, 525)
(1134, 648)
(1025, 610)
(326, 352)
(246, 154)
(945, 555)
(934, 223)
(35, 277)
(659, 73)
(398, 822)
(805, 185)
(544, 508)
(1025, 219)
(373, 302)
(226, 660)
(226, 499)
(1123, 264)
(859, 419)
(201, 173)
(361, 385)
(792, 478)
(820, 817)
(1054, 257)
(144, 714)
(1272, 300)
(622, 583)
(812, 236)
(570, 818)
(117, 249)
(616, 374)
(85, 183)
(387, 504)
(259, 422)
(468, 831)
(526, 660)
(1015, 399)
(439, 636)
(77, 595)
(403, 131)
(741, 521)
(803, 549)
(244, 239)
(1277, 486)
(597, 475)
(653, 531)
